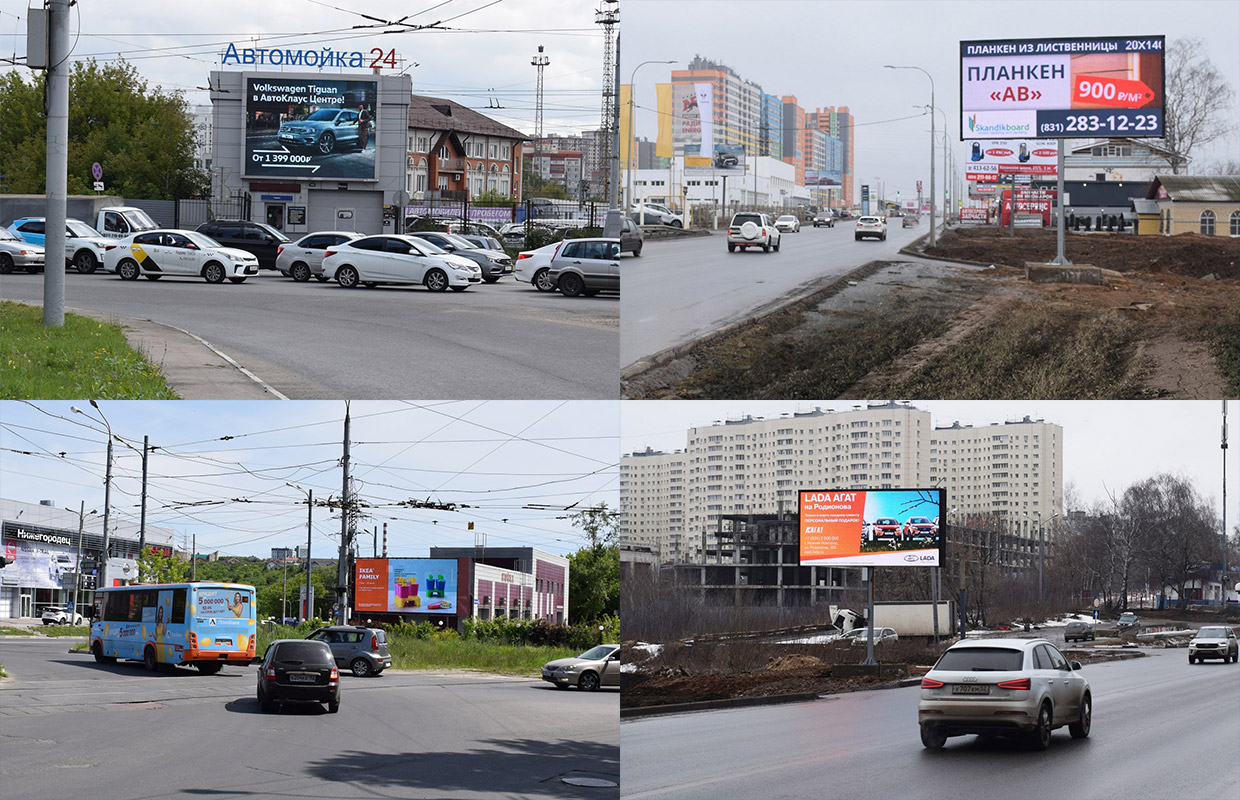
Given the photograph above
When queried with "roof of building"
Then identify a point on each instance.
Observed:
(1197, 188)
(445, 115)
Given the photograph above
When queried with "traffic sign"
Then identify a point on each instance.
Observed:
(96, 171)
(1097, 602)
(98, 186)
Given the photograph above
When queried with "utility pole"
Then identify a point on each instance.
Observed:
(1224, 447)
(57, 163)
(540, 61)
(309, 563)
(342, 564)
(193, 558)
(608, 17)
(146, 444)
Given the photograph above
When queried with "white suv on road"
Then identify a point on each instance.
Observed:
(752, 229)
(59, 615)
(871, 226)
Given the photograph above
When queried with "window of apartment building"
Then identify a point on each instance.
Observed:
(424, 144)
(1207, 222)
(443, 151)
(443, 182)
(1235, 223)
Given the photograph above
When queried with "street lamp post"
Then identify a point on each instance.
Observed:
(927, 74)
(309, 564)
(77, 566)
(633, 141)
(107, 493)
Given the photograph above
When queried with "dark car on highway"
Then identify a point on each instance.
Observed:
(258, 238)
(298, 671)
(1078, 631)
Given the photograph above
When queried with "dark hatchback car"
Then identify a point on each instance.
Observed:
(1078, 631)
(258, 238)
(298, 671)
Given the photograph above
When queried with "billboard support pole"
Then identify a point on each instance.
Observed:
(1061, 259)
(867, 575)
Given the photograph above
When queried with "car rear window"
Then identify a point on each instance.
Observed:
(741, 219)
(982, 659)
(307, 652)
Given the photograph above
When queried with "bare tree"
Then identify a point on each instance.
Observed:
(1197, 99)
(1182, 526)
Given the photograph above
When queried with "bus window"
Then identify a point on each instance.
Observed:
(178, 607)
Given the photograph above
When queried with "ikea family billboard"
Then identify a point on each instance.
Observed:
(310, 128)
(1062, 88)
(406, 585)
(872, 528)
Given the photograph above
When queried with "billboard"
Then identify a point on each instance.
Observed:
(989, 159)
(406, 585)
(871, 528)
(725, 159)
(1062, 88)
(309, 128)
(824, 177)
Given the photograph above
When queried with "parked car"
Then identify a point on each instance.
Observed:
(298, 671)
(1214, 641)
(17, 253)
(60, 615)
(1079, 631)
(885, 529)
(1127, 620)
(631, 237)
(364, 651)
(752, 229)
(323, 132)
(870, 226)
(483, 242)
(472, 228)
(859, 636)
(398, 259)
(788, 224)
(1003, 687)
(655, 214)
(258, 238)
(585, 267)
(84, 246)
(513, 233)
(494, 264)
(533, 265)
(598, 666)
(910, 222)
(824, 218)
(166, 251)
(303, 259)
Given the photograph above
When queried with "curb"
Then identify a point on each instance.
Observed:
(743, 702)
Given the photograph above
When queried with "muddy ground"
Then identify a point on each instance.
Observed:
(1164, 324)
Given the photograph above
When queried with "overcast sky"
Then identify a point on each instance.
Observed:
(498, 457)
(832, 53)
(1108, 445)
(481, 58)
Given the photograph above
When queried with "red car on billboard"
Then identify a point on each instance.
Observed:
(920, 528)
(885, 529)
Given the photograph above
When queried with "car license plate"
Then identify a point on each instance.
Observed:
(970, 688)
(301, 677)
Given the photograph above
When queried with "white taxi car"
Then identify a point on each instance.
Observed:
(154, 254)
(396, 258)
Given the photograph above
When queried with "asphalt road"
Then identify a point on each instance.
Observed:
(1161, 729)
(319, 341)
(681, 289)
(74, 728)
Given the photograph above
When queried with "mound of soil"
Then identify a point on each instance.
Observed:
(1189, 254)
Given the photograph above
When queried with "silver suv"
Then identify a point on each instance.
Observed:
(364, 651)
(1214, 641)
(752, 229)
(875, 227)
(1003, 687)
(586, 267)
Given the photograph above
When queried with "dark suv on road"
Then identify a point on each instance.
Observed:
(298, 671)
(258, 238)
(364, 651)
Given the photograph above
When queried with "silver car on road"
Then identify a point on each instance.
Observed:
(1003, 687)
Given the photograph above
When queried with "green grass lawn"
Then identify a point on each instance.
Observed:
(84, 358)
(7, 631)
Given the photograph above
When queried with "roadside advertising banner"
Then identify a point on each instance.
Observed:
(973, 216)
(989, 159)
(824, 177)
(406, 585)
(871, 528)
(309, 128)
(1062, 88)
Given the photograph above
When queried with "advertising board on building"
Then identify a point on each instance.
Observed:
(871, 528)
(1062, 88)
(824, 177)
(989, 159)
(310, 127)
(973, 216)
(406, 585)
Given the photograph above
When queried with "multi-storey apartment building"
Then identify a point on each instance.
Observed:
(1006, 477)
(737, 104)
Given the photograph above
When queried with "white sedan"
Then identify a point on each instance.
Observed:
(532, 267)
(399, 259)
(788, 223)
(154, 254)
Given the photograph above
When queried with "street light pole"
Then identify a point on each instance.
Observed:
(927, 74)
(107, 493)
(628, 192)
(309, 564)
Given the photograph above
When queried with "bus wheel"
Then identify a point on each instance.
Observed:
(100, 658)
(209, 667)
(148, 659)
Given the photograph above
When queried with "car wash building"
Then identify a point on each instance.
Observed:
(313, 147)
(44, 555)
